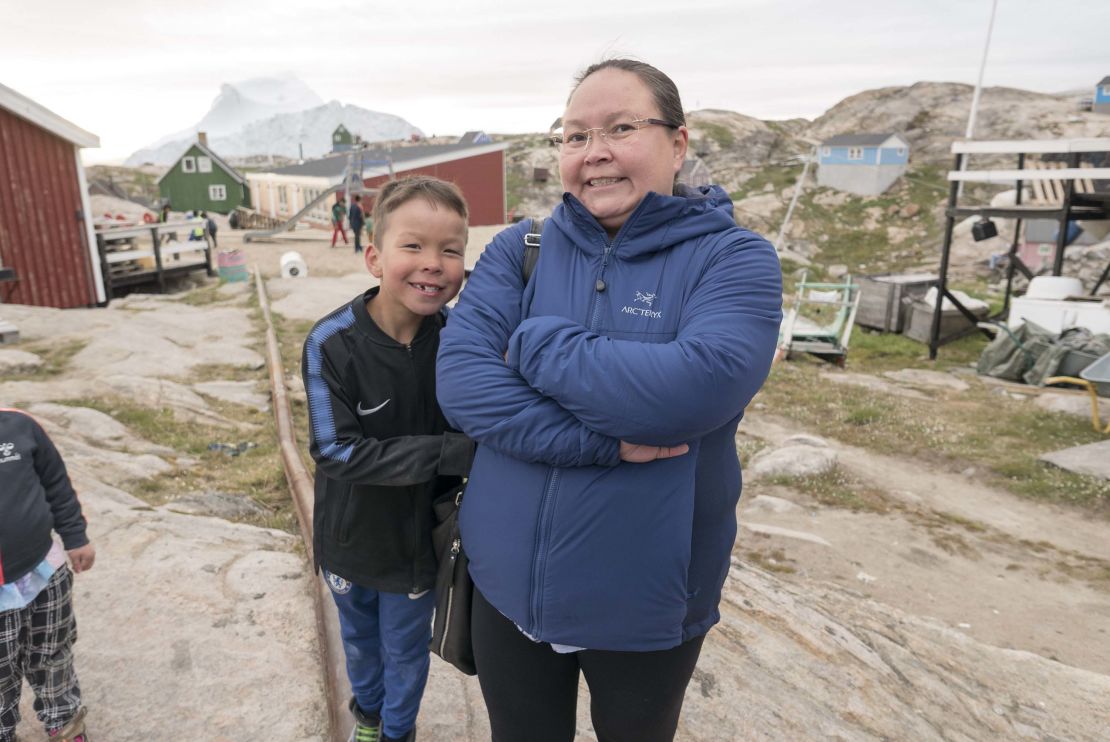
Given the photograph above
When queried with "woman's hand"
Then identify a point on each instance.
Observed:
(635, 453)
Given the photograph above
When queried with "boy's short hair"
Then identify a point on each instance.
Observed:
(396, 193)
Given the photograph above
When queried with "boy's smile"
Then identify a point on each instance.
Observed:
(419, 263)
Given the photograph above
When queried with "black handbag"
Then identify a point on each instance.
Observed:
(454, 589)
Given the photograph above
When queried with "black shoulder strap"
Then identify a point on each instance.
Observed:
(532, 248)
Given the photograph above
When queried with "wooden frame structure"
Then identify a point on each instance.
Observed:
(149, 264)
(1079, 199)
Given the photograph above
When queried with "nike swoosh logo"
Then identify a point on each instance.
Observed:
(359, 410)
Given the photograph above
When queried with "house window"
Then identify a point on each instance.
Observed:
(1106, 90)
(283, 197)
(188, 164)
(826, 151)
(217, 193)
(855, 153)
(901, 151)
(204, 164)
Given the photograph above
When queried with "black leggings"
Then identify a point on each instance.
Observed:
(531, 691)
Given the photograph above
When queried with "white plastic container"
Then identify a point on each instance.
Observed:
(1057, 315)
(293, 265)
(1054, 287)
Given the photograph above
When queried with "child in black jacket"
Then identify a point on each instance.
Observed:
(384, 451)
(37, 627)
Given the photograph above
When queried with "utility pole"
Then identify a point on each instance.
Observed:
(794, 200)
(978, 89)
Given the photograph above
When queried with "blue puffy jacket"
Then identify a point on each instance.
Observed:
(660, 335)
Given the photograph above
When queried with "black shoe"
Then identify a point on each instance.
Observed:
(367, 728)
(410, 737)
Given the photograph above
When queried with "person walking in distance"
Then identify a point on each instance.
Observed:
(356, 220)
(338, 214)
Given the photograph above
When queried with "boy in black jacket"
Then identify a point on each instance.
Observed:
(383, 449)
(37, 627)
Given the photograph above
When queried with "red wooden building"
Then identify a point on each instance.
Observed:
(477, 168)
(47, 249)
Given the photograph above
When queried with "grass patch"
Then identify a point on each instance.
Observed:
(878, 351)
(204, 295)
(747, 447)
(774, 561)
(291, 334)
(719, 133)
(224, 372)
(836, 488)
(778, 176)
(55, 355)
(256, 473)
(1000, 436)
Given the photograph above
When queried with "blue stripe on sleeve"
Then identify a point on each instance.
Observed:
(319, 404)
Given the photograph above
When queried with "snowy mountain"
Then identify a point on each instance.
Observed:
(255, 100)
(275, 116)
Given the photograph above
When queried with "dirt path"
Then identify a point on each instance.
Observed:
(1009, 572)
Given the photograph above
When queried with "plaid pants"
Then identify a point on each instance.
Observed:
(36, 642)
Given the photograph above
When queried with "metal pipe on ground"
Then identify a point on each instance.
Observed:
(336, 684)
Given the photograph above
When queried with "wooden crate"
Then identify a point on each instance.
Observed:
(885, 299)
(920, 322)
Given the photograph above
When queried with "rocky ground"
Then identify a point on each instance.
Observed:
(953, 611)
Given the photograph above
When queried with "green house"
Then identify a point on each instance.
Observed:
(341, 139)
(201, 181)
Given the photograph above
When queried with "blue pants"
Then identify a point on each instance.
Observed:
(385, 640)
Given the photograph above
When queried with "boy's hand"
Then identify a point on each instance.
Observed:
(82, 557)
(637, 454)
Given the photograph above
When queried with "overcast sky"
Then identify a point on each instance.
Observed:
(132, 71)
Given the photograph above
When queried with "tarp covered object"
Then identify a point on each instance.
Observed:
(1032, 354)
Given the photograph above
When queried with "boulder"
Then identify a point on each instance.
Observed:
(226, 505)
(237, 392)
(18, 362)
(798, 459)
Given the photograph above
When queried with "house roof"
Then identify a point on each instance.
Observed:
(859, 140)
(1105, 80)
(26, 108)
(215, 158)
(404, 158)
(475, 137)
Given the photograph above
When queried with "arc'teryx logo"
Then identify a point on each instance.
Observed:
(643, 297)
(6, 454)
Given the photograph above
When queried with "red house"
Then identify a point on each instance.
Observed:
(47, 249)
(476, 167)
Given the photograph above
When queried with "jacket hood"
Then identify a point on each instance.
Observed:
(657, 223)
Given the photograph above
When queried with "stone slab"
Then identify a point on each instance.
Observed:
(1092, 459)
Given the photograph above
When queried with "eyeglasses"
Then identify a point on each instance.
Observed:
(615, 135)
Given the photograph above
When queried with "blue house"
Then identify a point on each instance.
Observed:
(864, 164)
(1101, 101)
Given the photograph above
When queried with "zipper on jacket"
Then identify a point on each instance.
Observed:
(415, 516)
(539, 564)
(450, 596)
(596, 310)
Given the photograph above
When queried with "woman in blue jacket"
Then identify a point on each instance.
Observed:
(605, 393)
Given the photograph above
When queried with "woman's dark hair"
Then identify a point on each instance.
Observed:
(662, 87)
